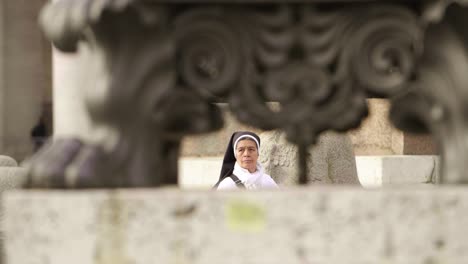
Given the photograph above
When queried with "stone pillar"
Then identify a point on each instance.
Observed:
(70, 117)
(25, 68)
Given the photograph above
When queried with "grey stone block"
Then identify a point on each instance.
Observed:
(298, 225)
(410, 169)
(375, 171)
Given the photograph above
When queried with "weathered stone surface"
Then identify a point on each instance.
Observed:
(297, 225)
(331, 160)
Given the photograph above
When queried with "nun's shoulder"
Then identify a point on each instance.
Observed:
(226, 184)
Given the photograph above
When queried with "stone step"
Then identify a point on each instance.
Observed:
(373, 171)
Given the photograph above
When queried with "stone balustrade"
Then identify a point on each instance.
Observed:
(417, 225)
(295, 225)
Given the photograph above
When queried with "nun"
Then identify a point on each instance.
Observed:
(241, 169)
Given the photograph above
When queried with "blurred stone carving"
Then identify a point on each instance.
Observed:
(436, 101)
(129, 51)
(156, 67)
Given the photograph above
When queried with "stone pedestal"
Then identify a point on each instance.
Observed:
(299, 225)
(25, 75)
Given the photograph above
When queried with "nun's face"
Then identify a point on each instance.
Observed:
(247, 154)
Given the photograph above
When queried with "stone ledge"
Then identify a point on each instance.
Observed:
(298, 225)
(373, 171)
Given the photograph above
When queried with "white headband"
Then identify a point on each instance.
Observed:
(244, 136)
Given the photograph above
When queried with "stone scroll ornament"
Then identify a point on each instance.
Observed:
(436, 100)
(156, 68)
